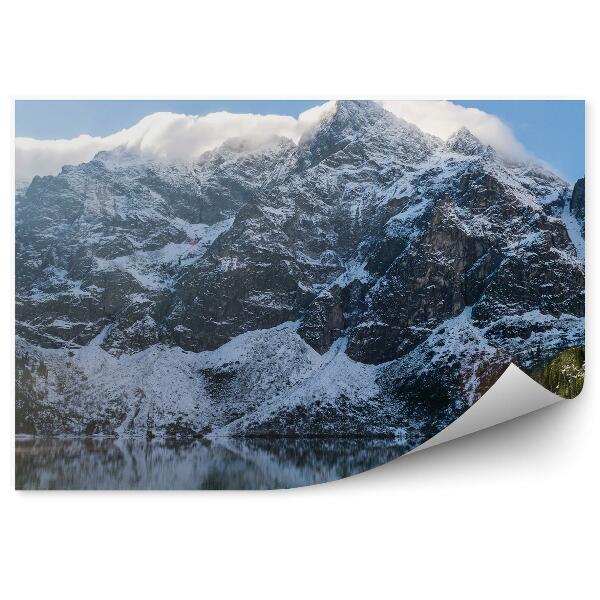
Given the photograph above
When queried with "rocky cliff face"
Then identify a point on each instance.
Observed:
(369, 280)
(577, 204)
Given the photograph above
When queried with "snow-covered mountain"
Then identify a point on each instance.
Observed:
(370, 280)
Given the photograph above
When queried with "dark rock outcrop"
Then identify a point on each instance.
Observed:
(577, 204)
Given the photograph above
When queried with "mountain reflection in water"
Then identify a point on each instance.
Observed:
(168, 464)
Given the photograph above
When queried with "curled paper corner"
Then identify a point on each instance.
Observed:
(513, 395)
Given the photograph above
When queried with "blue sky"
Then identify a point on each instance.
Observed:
(52, 119)
(551, 130)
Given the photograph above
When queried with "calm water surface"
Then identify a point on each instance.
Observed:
(124, 464)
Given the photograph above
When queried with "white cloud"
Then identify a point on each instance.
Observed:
(442, 118)
(168, 136)
(174, 136)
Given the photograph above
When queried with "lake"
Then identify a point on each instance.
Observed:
(89, 463)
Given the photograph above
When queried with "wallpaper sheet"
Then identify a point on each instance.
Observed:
(271, 294)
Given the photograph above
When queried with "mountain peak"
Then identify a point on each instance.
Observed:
(357, 108)
(464, 142)
(367, 122)
(347, 118)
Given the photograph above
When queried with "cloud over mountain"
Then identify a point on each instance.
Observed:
(173, 136)
(442, 118)
(165, 135)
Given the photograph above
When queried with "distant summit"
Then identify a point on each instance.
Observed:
(464, 142)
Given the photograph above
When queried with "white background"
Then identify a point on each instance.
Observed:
(507, 513)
